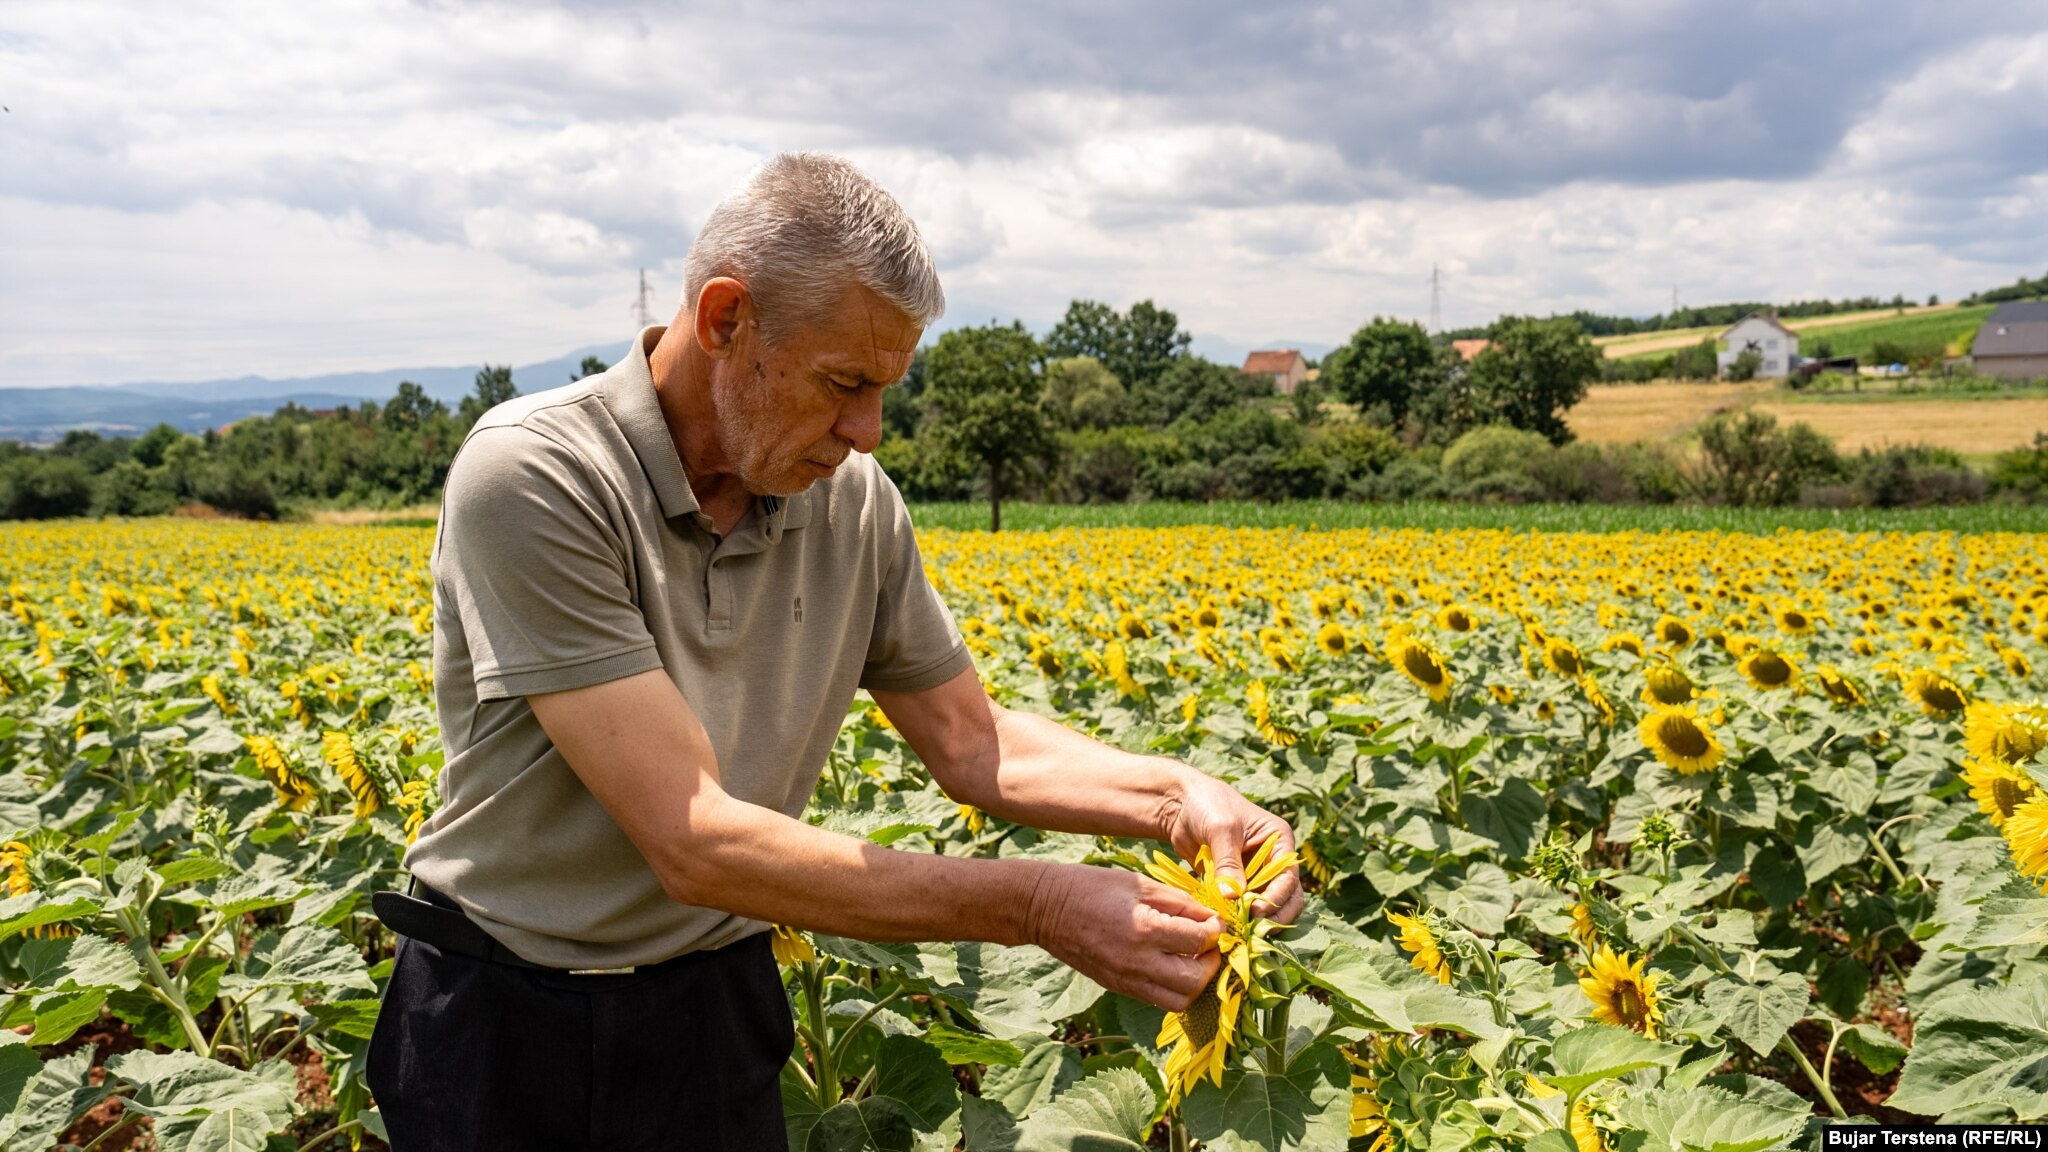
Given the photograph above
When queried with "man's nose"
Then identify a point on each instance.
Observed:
(860, 421)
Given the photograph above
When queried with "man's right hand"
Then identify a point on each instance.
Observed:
(1126, 932)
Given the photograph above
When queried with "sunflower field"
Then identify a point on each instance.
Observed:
(1615, 841)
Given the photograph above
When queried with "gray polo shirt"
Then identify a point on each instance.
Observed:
(571, 552)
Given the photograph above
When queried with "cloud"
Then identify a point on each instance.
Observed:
(1289, 167)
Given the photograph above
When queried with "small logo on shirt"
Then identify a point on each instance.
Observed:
(799, 609)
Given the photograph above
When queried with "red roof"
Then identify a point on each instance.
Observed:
(1278, 363)
(1467, 349)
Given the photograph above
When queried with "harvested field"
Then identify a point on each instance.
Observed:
(1666, 411)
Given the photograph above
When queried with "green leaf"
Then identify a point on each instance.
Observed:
(912, 1072)
(59, 1016)
(986, 1127)
(152, 1021)
(1585, 1056)
(2014, 916)
(1878, 1049)
(33, 910)
(236, 895)
(79, 962)
(1551, 1140)
(305, 956)
(230, 1129)
(1759, 1013)
(1710, 1119)
(357, 1018)
(1851, 786)
(1415, 1003)
(962, 1047)
(876, 1124)
(1012, 992)
(1777, 875)
(1985, 1047)
(49, 1101)
(1110, 1111)
(1308, 1107)
(193, 869)
(882, 957)
(1046, 1070)
(1831, 845)
(181, 1083)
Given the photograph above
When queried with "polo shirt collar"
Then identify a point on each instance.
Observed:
(629, 395)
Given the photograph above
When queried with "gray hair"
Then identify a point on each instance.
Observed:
(799, 231)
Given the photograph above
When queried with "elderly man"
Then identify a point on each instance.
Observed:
(656, 592)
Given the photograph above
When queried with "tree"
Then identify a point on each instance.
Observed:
(411, 407)
(493, 387)
(1532, 372)
(1699, 362)
(591, 367)
(1081, 393)
(1383, 367)
(1745, 365)
(1193, 388)
(982, 389)
(1136, 346)
(1748, 460)
(149, 450)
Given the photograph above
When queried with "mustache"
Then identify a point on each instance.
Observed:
(838, 458)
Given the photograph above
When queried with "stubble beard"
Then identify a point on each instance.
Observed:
(755, 440)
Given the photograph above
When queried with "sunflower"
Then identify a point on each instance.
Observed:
(1367, 1114)
(1998, 788)
(1767, 668)
(1117, 663)
(1453, 618)
(2016, 663)
(1627, 642)
(1417, 937)
(1131, 627)
(1202, 1036)
(2026, 833)
(1562, 656)
(1681, 739)
(2005, 733)
(1261, 703)
(790, 946)
(1839, 689)
(1937, 695)
(1792, 621)
(294, 791)
(1331, 639)
(1583, 929)
(1422, 664)
(1666, 683)
(340, 753)
(1603, 708)
(1502, 694)
(1585, 1133)
(1673, 632)
(1622, 993)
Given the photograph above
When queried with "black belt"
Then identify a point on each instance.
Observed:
(438, 921)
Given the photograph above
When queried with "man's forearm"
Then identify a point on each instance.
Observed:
(1049, 776)
(752, 861)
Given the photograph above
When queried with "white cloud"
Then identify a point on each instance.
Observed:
(230, 188)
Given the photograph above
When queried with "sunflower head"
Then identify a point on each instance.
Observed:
(1453, 618)
(1417, 936)
(2005, 733)
(1793, 621)
(790, 946)
(1331, 639)
(1666, 683)
(1767, 668)
(1562, 657)
(1998, 787)
(2026, 834)
(1423, 664)
(1622, 993)
(1937, 695)
(1673, 632)
(1839, 689)
(1681, 739)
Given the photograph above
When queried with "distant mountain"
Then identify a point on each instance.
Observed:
(195, 405)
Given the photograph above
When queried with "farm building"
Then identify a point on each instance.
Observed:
(1761, 332)
(2014, 341)
(1467, 349)
(1286, 366)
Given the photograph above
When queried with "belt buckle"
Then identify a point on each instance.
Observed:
(626, 971)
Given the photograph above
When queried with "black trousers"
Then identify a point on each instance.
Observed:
(682, 1055)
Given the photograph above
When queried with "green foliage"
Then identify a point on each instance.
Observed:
(2023, 472)
(1384, 366)
(1747, 460)
(2021, 289)
(1081, 393)
(1532, 372)
(1745, 366)
(35, 487)
(983, 390)
(1915, 338)
(1136, 346)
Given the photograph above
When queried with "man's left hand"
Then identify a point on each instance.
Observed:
(1208, 812)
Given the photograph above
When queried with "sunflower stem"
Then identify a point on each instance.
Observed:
(1820, 1084)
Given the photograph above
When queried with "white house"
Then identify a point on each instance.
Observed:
(1777, 344)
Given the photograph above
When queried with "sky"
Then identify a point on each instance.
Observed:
(201, 190)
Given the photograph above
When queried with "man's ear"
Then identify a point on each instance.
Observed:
(724, 307)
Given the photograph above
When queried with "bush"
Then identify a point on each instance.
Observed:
(129, 489)
(1748, 460)
(1651, 471)
(1579, 474)
(1409, 478)
(43, 487)
(1745, 365)
(239, 491)
(1913, 477)
(2023, 472)
(1489, 451)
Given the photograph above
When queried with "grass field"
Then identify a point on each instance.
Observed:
(1951, 328)
(1974, 423)
(1637, 344)
(1331, 514)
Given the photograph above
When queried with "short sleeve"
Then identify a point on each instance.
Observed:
(915, 645)
(535, 571)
